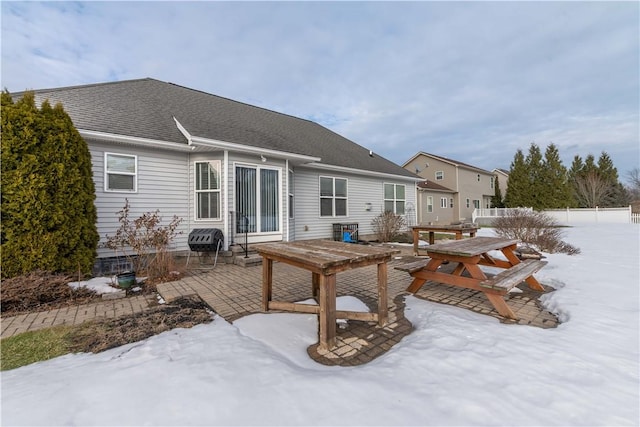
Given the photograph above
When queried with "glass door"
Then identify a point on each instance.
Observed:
(257, 199)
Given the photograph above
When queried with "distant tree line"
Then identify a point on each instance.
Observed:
(543, 182)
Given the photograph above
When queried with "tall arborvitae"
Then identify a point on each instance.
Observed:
(518, 184)
(554, 183)
(48, 211)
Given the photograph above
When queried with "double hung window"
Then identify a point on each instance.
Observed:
(333, 196)
(121, 172)
(394, 198)
(207, 189)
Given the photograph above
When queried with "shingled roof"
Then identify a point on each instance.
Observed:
(446, 160)
(146, 108)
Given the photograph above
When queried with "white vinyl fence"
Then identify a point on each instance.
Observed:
(567, 216)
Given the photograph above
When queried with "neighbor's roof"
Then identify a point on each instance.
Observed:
(430, 185)
(446, 160)
(146, 108)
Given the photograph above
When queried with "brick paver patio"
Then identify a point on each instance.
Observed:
(234, 291)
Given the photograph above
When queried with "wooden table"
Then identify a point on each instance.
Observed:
(469, 254)
(458, 230)
(325, 258)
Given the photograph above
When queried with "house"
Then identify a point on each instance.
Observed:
(219, 163)
(450, 189)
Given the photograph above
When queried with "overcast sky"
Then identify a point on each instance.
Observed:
(469, 81)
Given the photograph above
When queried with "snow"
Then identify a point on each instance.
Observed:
(103, 285)
(456, 368)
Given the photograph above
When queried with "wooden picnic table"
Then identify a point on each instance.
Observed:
(458, 230)
(469, 255)
(324, 259)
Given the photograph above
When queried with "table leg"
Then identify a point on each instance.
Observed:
(315, 284)
(417, 282)
(432, 237)
(383, 311)
(513, 259)
(327, 316)
(458, 235)
(416, 238)
(501, 306)
(267, 282)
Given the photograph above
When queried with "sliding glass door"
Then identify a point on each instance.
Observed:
(257, 199)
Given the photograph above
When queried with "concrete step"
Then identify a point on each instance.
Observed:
(250, 261)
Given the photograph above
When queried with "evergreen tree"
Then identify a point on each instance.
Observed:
(497, 200)
(619, 195)
(518, 184)
(48, 211)
(536, 192)
(574, 173)
(556, 191)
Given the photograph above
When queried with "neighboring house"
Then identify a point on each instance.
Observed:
(219, 163)
(454, 188)
(502, 175)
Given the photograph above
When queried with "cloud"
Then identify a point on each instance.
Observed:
(470, 81)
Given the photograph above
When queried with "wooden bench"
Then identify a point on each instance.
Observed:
(509, 278)
(414, 266)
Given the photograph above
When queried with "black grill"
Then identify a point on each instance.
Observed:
(206, 239)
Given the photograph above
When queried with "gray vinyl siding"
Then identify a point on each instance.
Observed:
(360, 191)
(162, 185)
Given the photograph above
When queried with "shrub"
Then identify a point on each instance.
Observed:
(48, 212)
(145, 242)
(388, 225)
(533, 228)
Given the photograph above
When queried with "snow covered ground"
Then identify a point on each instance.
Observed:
(456, 368)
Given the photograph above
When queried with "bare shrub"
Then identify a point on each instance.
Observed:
(388, 225)
(534, 228)
(145, 242)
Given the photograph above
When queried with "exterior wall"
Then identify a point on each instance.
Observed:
(473, 189)
(439, 215)
(365, 201)
(165, 181)
(162, 185)
(429, 172)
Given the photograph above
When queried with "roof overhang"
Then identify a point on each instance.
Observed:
(134, 140)
(342, 169)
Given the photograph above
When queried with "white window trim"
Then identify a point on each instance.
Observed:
(107, 173)
(218, 165)
(291, 199)
(444, 202)
(395, 199)
(429, 204)
(441, 175)
(333, 198)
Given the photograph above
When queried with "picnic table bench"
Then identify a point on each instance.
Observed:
(469, 255)
(324, 259)
(457, 229)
